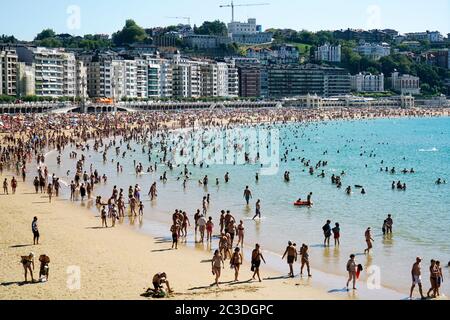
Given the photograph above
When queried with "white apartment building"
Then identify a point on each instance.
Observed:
(432, 36)
(281, 54)
(233, 79)
(141, 78)
(214, 79)
(248, 32)
(328, 53)
(248, 27)
(160, 74)
(373, 51)
(406, 84)
(367, 82)
(8, 72)
(55, 70)
(187, 77)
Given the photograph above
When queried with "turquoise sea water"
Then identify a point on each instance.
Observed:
(421, 213)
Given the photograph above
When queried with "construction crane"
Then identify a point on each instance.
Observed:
(232, 5)
(188, 19)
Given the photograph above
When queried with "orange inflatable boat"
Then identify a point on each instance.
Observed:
(302, 203)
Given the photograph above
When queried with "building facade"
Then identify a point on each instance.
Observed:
(248, 33)
(55, 70)
(405, 84)
(367, 82)
(8, 72)
(288, 81)
(328, 53)
(373, 51)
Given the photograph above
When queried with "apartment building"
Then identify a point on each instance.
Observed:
(249, 80)
(248, 32)
(288, 81)
(328, 53)
(432, 36)
(280, 54)
(373, 51)
(8, 72)
(160, 74)
(55, 70)
(186, 78)
(233, 79)
(367, 82)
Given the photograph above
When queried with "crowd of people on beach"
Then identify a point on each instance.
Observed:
(31, 136)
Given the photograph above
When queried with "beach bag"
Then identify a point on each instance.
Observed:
(358, 271)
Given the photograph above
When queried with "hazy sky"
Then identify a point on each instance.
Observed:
(25, 18)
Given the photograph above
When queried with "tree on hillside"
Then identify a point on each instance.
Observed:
(45, 34)
(216, 28)
(7, 39)
(131, 33)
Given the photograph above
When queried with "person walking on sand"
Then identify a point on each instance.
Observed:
(304, 260)
(256, 262)
(49, 192)
(209, 229)
(28, 265)
(351, 269)
(34, 228)
(291, 253)
(103, 216)
(440, 278)
(222, 220)
(258, 210)
(236, 262)
(247, 195)
(5, 186)
(327, 233)
(217, 265)
(174, 230)
(434, 274)
(202, 226)
(184, 225)
(240, 232)
(416, 274)
(369, 240)
(13, 185)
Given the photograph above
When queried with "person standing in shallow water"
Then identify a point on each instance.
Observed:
(257, 210)
(337, 234)
(247, 195)
(327, 233)
(369, 240)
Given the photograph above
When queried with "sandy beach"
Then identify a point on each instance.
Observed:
(114, 263)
